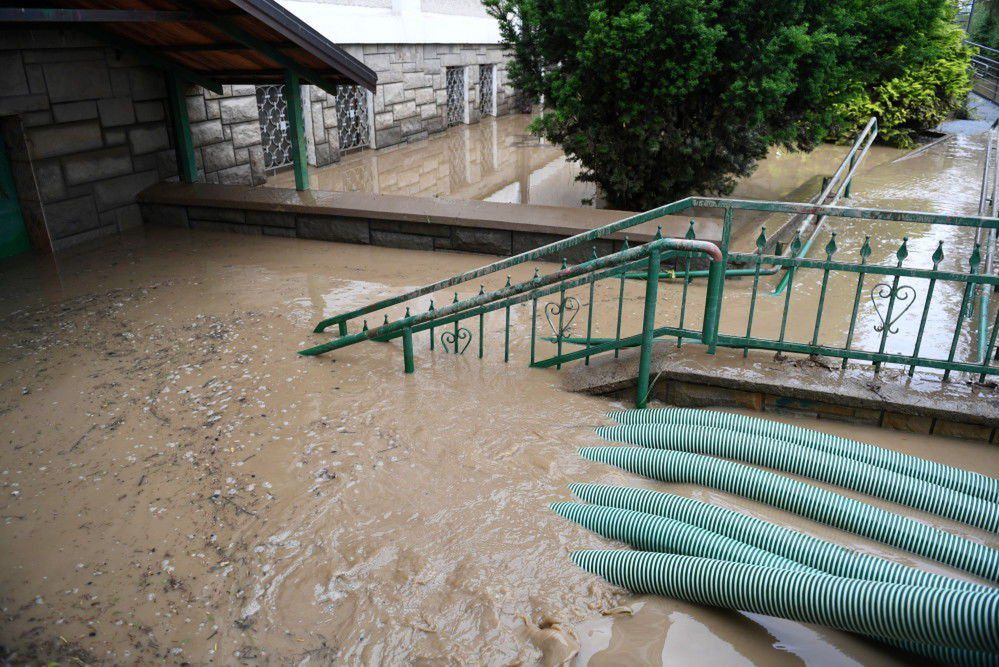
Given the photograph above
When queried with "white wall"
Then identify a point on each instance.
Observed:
(398, 21)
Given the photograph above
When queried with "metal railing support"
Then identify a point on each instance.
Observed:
(296, 129)
(181, 129)
(712, 306)
(648, 328)
(407, 350)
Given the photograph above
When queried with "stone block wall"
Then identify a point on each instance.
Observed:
(225, 131)
(411, 100)
(95, 128)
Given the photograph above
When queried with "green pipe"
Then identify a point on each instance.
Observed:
(946, 476)
(959, 619)
(703, 273)
(789, 544)
(648, 532)
(805, 500)
(811, 463)
(648, 331)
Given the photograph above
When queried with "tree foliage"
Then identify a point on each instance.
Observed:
(658, 99)
(927, 92)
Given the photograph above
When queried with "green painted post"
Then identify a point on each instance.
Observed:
(648, 328)
(296, 129)
(186, 166)
(407, 350)
(712, 306)
(343, 328)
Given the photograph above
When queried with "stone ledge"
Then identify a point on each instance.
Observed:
(552, 220)
(692, 378)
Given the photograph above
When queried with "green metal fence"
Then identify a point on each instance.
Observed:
(730, 315)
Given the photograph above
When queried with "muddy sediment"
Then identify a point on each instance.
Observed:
(178, 485)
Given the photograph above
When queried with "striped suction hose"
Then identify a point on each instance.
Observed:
(950, 477)
(825, 467)
(806, 500)
(958, 619)
(653, 533)
(789, 544)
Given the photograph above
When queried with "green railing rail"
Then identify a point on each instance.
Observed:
(985, 71)
(838, 186)
(893, 295)
(988, 205)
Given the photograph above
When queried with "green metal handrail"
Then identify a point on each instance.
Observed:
(647, 261)
(988, 204)
(843, 185)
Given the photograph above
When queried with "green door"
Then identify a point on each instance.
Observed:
(13, 235)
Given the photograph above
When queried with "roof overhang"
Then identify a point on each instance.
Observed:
(208, 42)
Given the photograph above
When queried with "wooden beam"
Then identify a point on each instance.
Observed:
(235, 32)
(296, 129)
(212, 46)
(61, 15)
(125, 45)
(186, 165)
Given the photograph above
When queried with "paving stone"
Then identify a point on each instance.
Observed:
(333, 228)
(148, 138)
(270, 218)
(238, 175)
(398, 240)
(403, 111)
(116, 111)
(211, 226)
(490, 241)
(67, 112)
(196, 111)
(279, 231)
(216, 214)
(239, 109)
(123, 190)
(71, 216)
(966, 431)
(405, 227)
(63, 139)
(171, 216)
(388, 137)
(48, 180)
(96, 165)
(392, 93)
(910, 423)
(146, 84)
(82, 80)
(246, 134)
(218, 156)
(206, 132)
(147, 112)
(13, 79)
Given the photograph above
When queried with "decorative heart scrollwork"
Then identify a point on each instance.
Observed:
(451, 341)
(903, 294)
(567, 309)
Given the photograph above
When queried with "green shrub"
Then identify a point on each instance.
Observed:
(984, 27)
(924, 95)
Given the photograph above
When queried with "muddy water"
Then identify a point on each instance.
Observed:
(498, 160)
(177, 485)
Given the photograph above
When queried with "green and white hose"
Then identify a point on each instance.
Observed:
(648, 532)
(966, 620)
(786, 543)
(950, 477)
(806, 500)
(807, 462)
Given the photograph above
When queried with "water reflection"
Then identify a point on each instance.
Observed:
(499, 160)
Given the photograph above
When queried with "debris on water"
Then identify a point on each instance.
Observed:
(618, 611)
(556, 640)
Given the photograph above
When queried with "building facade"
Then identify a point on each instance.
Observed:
(86, 128)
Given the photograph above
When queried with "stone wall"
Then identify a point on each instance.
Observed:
(96, 129)
(225, 131)
(411, 100)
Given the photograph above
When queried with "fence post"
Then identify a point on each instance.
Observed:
(716, 286)
(296, 129)
(648, 327)
(407, 350)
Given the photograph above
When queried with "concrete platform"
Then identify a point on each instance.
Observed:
(690, 377)
(392, 220)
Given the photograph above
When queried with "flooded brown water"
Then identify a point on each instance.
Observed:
(179, 486)
(499, 160)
